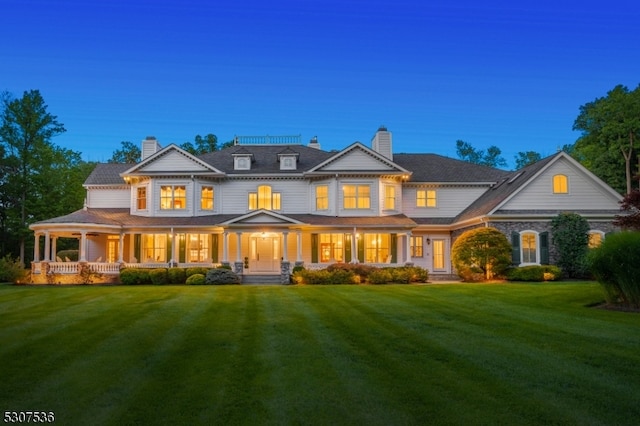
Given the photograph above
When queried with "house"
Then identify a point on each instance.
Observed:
(269, 203)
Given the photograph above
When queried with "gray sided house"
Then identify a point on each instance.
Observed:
(269, 203)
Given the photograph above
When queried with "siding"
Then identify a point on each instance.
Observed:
(294, 195)
(450, 201)
(108, 198)
(173, 161)
(584, 193)
(357, 160)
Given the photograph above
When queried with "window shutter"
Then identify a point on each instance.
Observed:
(137, 239)
(214, 247)
(544, 248)
(360, 242)
(182, 248)
(394, 248)
(314, 248)
(347, 248)
(515, 248)
(169, 255)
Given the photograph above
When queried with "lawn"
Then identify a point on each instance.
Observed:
(512, 354)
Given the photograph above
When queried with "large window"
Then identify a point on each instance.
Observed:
(529, 247)
(154, 248)
(197, 249)
(389, 197)
(322, 197)
(264, 198)
(331, 247)
(141, 198)
(377, 248)
(356, 196)
(173, 197)
(206, 198)
(425, 198)
(416, 246)
(560, 184)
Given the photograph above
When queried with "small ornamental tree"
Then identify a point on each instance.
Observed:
(631, 205)
(571, 239)
(483, 251)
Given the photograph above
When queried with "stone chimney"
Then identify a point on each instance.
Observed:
(381, 143)
(313, 143)
(149, 147)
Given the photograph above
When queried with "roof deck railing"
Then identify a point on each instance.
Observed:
(268, 140)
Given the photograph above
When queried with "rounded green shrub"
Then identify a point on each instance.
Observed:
(196, 270)
(177, 275)
(571, 238)
(130, 276)
(221, 276)
(536, 273)
(481, 253)
(380, 276)
(159, 276)
(616, 266)
(12, 271)
(196, 279)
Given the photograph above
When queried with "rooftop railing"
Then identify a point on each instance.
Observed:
(268, 140)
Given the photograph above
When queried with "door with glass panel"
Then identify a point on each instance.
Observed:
(265, 254)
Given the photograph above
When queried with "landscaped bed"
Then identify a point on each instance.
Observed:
(400, 354)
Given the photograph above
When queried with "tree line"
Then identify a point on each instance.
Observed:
(41, 180)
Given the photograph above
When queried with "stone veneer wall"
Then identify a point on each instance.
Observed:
(539, 226)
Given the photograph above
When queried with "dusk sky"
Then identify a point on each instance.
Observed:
(506, 73)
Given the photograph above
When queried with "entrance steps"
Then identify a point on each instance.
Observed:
(265, 279)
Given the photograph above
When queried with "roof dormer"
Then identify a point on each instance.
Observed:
(242, 159)
(288, 159)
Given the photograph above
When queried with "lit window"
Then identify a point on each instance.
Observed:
(356, 196)
(331, 247)
(197, 247)
(529, 247)
(376, 248)
(154, 248)
(173, 197)
(264, 198)
(141, 198)
(595, 238)
(206, 198)
(389, 197)
(416, 246)
(322, 197)
(560, 184)
(425, 198)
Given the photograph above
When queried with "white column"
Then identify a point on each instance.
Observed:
(83, 246)
(299, 246)
(173, 248)
(285, 246)
(47, 247)
(354, 247)
(239, 246)
(54, 250)
(36, 248)
(225, 247)
(407, 247)
(121, 248)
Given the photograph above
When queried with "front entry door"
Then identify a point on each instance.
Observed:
(265, 254)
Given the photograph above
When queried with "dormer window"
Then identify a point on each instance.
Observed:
(242, 163)
(288, 159)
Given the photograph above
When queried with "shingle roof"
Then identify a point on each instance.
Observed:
(107, 174)
(437, 168)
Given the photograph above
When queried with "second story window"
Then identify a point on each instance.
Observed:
(264, 198)
(173, 197)
(356, 196)
(206, 198)
(322, 197)
(389, 197)
(560, 184)
(141, 198)
(425, 198)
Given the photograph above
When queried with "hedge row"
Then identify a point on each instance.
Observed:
(359, 274)
(534, 273)
(159, 276)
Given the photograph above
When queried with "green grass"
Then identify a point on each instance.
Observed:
(512, 354)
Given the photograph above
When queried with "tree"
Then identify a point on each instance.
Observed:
(26, 129)
(610, 126)
(571, 238)
(209, 143)
(524, 159)
(128, 154)
(630, 204)
(483, 251)
(491, 158)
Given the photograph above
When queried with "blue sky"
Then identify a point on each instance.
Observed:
(506, 73)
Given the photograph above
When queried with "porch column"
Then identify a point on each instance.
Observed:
(407, 247)
(83, 246)
(54, 251)
(121, 248)
(173, 248)
(225, 247)
(239, 247)
(47, 247)
(285, 246)
(36, 248)
(354, 247)
(299, 246)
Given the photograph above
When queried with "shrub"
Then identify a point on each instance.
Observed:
(381, 276)
(12, 271)
(616, 266)
(534, 273)
(221, 276)
(131, 276)
(325, 276)
(481, 253)
(225, 266)
(196, 270)
(177, 275)
(361, 270)
(196, 279)
(159, 276)
(571, 237)
(71, 254)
